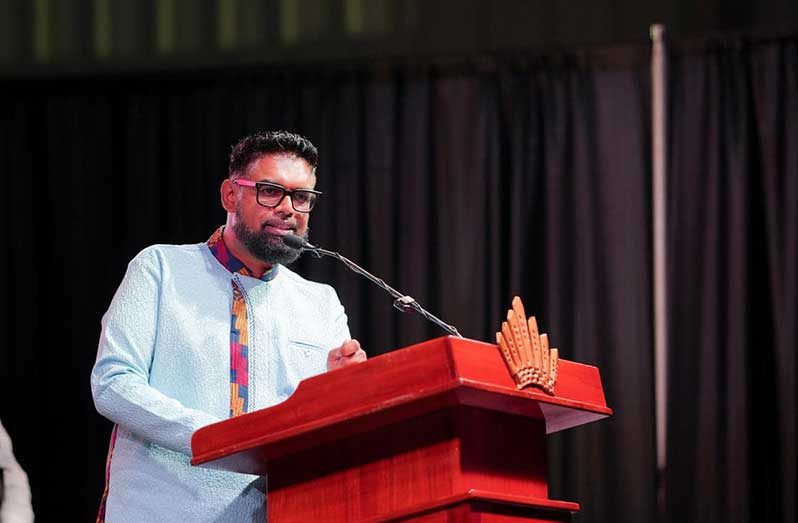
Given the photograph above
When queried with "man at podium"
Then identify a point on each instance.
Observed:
(198, 333)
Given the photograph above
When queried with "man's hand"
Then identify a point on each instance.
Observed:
(347, 354)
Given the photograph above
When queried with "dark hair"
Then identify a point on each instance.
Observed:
(252, 147)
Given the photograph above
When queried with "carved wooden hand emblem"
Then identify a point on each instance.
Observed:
(526, 352)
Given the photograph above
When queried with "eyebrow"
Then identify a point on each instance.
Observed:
(283, 186)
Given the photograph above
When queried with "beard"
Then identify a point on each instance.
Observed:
(268, 248)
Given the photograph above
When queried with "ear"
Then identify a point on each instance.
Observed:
(228, 194)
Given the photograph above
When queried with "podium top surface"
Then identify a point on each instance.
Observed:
(394, 387)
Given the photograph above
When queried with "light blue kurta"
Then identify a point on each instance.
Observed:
(163, 371)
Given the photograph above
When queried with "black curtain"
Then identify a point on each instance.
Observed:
(461, 183)
(733, 241)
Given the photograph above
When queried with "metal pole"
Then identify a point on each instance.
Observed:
(658, 185)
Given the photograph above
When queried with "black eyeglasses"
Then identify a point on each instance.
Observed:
(271, 194)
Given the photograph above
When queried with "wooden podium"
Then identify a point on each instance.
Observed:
(432, 432)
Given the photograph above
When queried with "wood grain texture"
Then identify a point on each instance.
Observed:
(400, 467)
(397, 436)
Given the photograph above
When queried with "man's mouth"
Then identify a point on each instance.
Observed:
(278, 228)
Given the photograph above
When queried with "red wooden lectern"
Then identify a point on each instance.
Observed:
(432, 432)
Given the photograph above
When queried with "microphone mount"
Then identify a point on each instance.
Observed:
(401, 302)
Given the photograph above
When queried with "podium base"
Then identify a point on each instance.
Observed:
(485, 507)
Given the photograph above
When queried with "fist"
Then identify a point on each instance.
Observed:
(347, 354)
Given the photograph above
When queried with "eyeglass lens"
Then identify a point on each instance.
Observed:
(272, 195)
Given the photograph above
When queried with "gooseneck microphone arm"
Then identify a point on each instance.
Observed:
(401, 301)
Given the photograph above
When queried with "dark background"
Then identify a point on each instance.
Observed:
(470, 151)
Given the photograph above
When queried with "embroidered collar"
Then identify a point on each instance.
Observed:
(229, 261)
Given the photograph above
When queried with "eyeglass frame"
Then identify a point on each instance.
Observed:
(243, 182)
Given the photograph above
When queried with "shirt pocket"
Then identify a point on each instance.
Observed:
(309, 357)
(307, 344)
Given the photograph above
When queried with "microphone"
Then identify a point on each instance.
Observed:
(402, 302)
(295, 242)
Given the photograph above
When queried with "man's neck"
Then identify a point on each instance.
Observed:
(257, 266)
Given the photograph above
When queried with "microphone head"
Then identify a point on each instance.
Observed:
(295, 242)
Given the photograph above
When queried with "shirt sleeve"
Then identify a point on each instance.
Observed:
(340, 322)
(16, 505)
(120, 377)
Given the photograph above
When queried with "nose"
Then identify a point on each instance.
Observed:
(285, 206)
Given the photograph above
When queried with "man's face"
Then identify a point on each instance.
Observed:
(260, 229)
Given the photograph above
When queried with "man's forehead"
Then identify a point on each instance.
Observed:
(284, 169)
